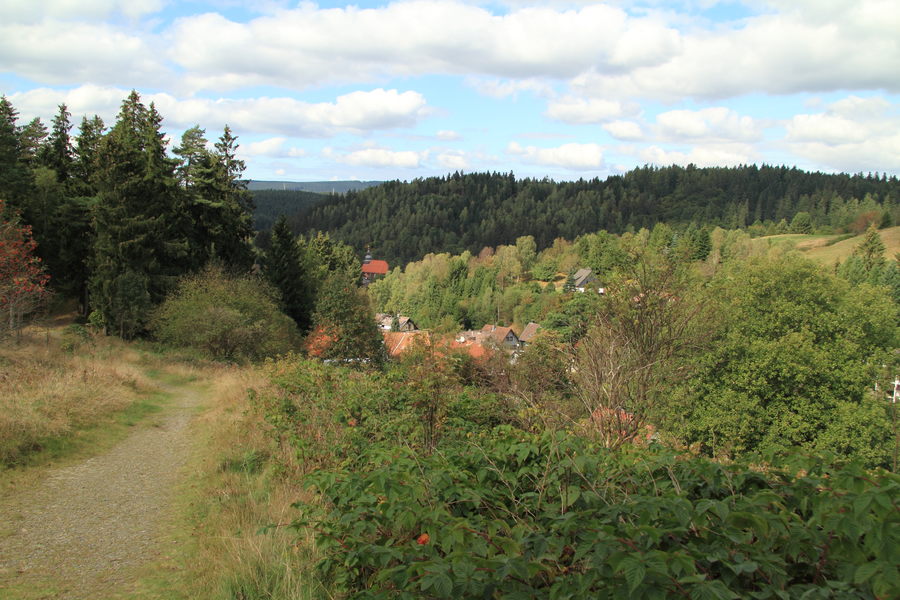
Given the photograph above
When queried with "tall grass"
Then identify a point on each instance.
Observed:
(240, 545)
(53, 388)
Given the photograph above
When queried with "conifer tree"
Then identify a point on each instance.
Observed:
(871, 250)
(31, 144)
(140, 248)
(215, 199)
(87, 144)
(58, 153)
(284, 268)
(15, 178)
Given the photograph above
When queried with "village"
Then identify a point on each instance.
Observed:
(401, 333)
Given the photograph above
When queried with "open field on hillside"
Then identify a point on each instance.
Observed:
(828, 249)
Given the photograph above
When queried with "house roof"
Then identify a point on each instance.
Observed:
(398, 342)
(385, 320)
(498, 334)
(529, 332)
(471, 347)
(583, 276)
(375, 267)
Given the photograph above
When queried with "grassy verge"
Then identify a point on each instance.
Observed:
(240, 483)
(62, 401)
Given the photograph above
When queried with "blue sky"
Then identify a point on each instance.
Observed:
(399, 90)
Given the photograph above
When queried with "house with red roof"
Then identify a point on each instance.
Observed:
(529, 333)
(503, 337)
(373, 269)
(398, 342)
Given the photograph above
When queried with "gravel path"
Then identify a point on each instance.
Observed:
(85, 529)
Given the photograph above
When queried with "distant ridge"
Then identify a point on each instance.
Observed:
(319, 187)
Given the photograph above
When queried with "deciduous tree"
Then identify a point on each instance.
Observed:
(23, 282)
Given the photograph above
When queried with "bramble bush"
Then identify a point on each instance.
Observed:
(328, 413)
(517, 515)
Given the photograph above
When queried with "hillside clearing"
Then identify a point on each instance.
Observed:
(829, 249)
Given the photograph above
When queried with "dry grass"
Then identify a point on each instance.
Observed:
(828, 255)
(240, 480)
(821, 249)
(247, 484)
(48, 394)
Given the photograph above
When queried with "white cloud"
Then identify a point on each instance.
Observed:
(499, 89)
(356, 112)
(701, 156)
(310, 45)
(456, 160)
(378, 157)
(716, 123)
(270, 147)
(59, 52)
(569, 156)
(852, 134)
(86, 100)
(581, 111)
(28, 11)
(604, 50)
(801, 47)
(624, 130)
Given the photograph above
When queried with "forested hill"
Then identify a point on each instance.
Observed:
(318, 187)
(405, 221)
(271, 204)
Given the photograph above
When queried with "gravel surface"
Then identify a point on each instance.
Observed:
(85, 529)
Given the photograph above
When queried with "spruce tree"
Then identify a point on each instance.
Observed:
(140, 248)
(58, 153)
(214, 197)
(87, 144)
(284, 269)
(15, 178)
(31, 142)
(871, 250)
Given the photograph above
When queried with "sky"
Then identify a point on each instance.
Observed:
(408, 89)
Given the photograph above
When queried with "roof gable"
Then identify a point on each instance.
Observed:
(584, 276)
(375, 267)
(500, 334)
(529, 333)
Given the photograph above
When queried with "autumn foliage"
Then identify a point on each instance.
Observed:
(23, 282)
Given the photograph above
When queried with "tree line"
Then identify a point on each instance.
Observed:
(116, 220)
(404, 221)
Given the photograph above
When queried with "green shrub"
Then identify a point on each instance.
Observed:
(227, 317)
(74, 336)
(515, 515)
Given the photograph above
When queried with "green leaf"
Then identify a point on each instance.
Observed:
(634, 572)
(443, 586)
(865, 572)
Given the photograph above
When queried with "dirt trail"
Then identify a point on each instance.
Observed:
(84, 531)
